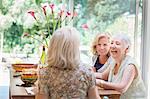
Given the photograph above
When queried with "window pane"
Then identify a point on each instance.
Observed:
(113, 16)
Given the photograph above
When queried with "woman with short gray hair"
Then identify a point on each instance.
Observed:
(124, 74)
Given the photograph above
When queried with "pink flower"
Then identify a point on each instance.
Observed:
(61, 13)
(46, 27)
(68, 13)
(26, 34)
(32, 14)
(52, 7)
(44, 9)
(84, 26)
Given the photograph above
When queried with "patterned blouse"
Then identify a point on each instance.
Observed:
(66, 84)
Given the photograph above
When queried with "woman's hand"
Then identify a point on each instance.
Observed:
(92, 69)
(100, 83)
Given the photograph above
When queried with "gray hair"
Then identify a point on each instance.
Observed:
(125, 38)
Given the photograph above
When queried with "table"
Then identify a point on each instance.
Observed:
(18, 92)
(112, 94)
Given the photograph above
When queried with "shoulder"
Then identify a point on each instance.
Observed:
(94, 57)
(93, 60)
(131, 62)
(43, 74)
(131, 65)
(44, 70)
(110, 61)
(85, 68)
(86, 71)
(131, 68)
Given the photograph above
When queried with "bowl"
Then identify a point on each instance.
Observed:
(21, 66)
(29, 76)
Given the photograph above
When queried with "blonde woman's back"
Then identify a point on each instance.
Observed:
(64, 77)
(67, 84)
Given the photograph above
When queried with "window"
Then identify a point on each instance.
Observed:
(113, 16)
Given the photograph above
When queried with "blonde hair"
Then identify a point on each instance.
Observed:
(96, 40)
(63, 50)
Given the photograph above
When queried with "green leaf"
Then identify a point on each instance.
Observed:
(38, 2)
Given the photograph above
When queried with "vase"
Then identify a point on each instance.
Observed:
(42, 62)
(43, 56)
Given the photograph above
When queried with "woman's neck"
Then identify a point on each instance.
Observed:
(116, 68)
(103, 59)
(120, 59)
(118, 64)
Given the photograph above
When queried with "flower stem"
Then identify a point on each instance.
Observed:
(37, 39)
(48, 27)
(54, 23)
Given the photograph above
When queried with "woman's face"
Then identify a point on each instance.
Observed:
(117, 48)
(103, 46)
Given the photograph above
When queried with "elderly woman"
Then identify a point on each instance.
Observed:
(65, 77)
(100, 50)
(123, 74)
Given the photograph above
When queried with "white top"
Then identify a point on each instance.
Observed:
(137, 88)
(103, 68)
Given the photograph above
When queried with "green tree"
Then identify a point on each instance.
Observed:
(13, 30)
(16, 10)
(106, 11)
(12, 36)
(101, 14)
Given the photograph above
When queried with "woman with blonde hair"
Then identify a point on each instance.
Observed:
(100, 50)
(65, 77)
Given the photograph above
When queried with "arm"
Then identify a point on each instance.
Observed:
(129, 75)
(42, 84)
(41, 96)
(103, 75)
(93, 69)
(93, 93)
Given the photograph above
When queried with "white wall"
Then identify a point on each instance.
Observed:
(145, 47)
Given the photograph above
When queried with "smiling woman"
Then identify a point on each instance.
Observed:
(123, 73)
(100, 49)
